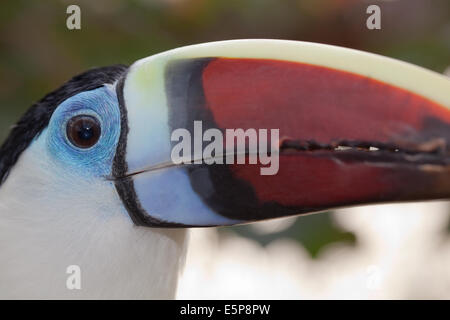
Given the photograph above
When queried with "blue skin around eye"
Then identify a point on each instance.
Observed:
(95, 161)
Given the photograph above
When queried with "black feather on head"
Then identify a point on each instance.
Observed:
(38, 116)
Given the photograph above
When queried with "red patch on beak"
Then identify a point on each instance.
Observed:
(328, 108)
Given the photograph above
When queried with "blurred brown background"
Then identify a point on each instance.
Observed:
(38, 53)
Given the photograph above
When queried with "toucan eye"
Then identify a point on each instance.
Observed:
(83, 131)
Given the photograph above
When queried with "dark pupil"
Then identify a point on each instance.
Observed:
(83, 131)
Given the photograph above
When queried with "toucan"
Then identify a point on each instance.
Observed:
(88, 176)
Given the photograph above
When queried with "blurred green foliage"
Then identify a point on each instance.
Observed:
(313, 231)
(38, 52)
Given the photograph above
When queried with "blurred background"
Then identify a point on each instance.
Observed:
(389, 251)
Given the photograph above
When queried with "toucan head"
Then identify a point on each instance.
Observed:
(237, 131)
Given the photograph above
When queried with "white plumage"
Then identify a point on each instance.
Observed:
(84, 225)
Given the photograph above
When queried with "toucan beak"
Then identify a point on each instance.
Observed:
(333, 127)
